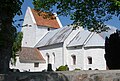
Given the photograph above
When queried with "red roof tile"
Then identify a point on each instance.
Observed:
(41, 21)
(30, 55)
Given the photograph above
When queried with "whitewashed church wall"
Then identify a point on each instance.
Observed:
(28, 30)
(66, 42)
(55, 56)
(40, 32)
(79, 59)
(98, 61)
(28, 37)
(27, 66)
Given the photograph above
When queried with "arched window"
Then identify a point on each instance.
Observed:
(53, 57)
(48, 58)
(73, 59)
(89, 60)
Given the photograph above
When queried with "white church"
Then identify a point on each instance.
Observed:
(45, 42)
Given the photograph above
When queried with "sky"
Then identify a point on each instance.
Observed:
(64, 20)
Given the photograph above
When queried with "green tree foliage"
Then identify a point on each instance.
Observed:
(89, 14)
(8, 9)
(16, 46)
(112, 50)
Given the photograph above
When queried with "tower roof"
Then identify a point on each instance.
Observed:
(42, 21)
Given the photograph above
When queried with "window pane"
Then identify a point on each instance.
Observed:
(36, 64)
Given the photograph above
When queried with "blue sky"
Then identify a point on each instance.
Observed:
(64, 20)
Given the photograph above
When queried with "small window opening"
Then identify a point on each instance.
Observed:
(73, 59)
(36, 64)
(89, 60)
(48, 58)
(30, 25)
(90, 69)
(53, 57)
(48, 29)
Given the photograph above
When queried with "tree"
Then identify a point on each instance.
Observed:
(112, 47)
(90, 14)
(8, 9)
(16, 46)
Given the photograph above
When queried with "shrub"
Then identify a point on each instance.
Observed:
(112, 50)
(63, 68)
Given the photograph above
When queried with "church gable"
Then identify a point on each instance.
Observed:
(29, 20)
(95, 41)
(79, 39)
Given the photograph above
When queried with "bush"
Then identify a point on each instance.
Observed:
(112, 50)
(63, 68)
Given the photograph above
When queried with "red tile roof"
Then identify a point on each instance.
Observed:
(30, 55)
(41, 21)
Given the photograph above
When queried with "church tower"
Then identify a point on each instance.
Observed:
(35, 26)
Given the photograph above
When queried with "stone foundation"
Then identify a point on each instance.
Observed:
(96, 75)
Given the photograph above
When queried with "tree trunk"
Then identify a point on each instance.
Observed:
(8, 9)
(5, 55)
(6, 43)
